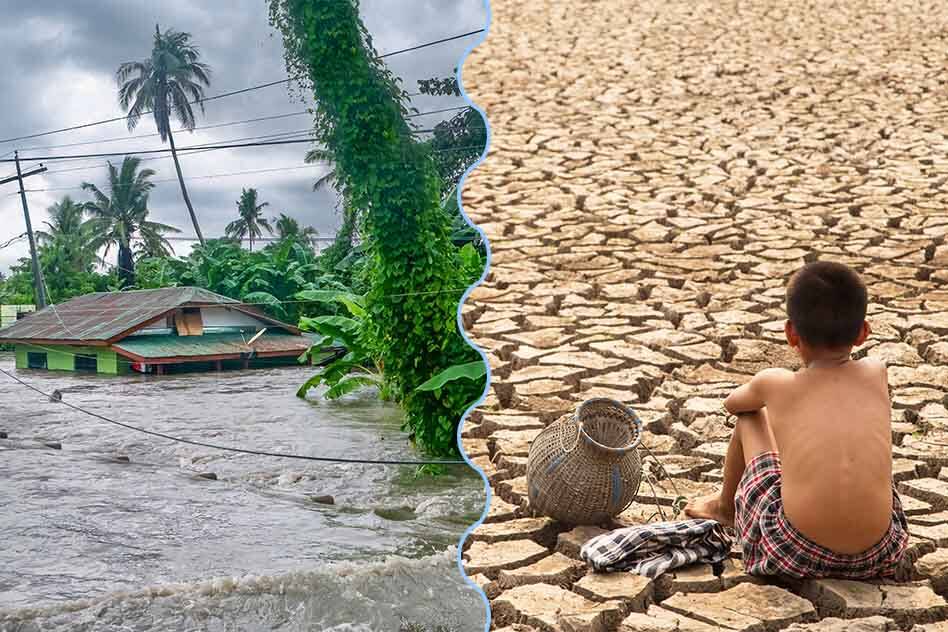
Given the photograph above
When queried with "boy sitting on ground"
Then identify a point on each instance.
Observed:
(808, 473)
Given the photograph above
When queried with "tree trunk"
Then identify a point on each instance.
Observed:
(126, 266)
(184, 190)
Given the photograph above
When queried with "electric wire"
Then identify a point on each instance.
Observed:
(312, 165)
(258, 119)
(232, 93)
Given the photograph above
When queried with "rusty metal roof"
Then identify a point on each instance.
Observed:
(104, 317)
(155, 347)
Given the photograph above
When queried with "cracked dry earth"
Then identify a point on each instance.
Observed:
(656, 171)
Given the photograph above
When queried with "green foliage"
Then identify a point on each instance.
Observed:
(288, 228)
(470, 371)
(165, 83)
(351, 371)
(121, 215)
(272, 277)
(414, 273)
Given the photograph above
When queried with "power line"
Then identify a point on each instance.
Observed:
(229, 94)
(157, 151)
(225, 448)
(197, 151)
(115, 139)
(258, 119)
(214, 175)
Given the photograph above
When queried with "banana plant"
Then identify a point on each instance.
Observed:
(351, 370)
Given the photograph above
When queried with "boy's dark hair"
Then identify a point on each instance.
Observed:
(826, 302)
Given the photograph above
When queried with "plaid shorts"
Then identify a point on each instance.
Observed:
(773, 546)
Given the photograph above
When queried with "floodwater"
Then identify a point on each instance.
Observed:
(91, 542)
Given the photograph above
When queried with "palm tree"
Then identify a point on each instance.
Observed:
(166, 83)
(122, 215)
(329, 178)
(287, 228)
(67, 234)
(153, 244)
(250, 220)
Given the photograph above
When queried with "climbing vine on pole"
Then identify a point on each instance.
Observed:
(416, 278)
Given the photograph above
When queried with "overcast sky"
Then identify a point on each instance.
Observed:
(60, 58)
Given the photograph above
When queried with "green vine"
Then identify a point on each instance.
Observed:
(414, 272)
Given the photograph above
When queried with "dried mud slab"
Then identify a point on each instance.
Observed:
(656, 171)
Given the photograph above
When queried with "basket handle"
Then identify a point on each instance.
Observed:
(579, 433)
(636, 427)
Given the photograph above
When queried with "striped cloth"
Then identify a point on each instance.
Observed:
(653, 549)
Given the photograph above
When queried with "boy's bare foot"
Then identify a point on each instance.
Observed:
(709, 507)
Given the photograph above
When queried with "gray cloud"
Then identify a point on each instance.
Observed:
(61, 55)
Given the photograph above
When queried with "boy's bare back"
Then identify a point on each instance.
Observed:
(832, 426)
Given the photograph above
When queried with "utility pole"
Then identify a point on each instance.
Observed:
(39, 284)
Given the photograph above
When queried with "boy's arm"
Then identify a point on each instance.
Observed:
(752, 396)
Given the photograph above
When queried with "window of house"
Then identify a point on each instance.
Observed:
(87, 363)
(35, 360)
(188, 322)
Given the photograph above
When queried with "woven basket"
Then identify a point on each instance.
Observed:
(585, 468)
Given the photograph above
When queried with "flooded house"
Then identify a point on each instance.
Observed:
(152, 331)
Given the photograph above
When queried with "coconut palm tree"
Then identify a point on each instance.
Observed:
(166, 84)
(287, 228)
(317, 155)
(250, 220)
(122, 215)
(67, 234)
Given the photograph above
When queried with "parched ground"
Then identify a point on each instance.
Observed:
(656, 171)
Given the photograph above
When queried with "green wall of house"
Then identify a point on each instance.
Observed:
(63, 358)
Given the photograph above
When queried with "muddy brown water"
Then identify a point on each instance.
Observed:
(91, 542)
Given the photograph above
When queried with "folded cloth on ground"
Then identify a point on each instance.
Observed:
(653, 549)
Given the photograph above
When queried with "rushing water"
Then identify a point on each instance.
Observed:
(91, 542)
